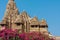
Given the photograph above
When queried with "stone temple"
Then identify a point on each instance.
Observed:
(22, 22)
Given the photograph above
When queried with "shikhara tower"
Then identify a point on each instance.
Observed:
(21, 21)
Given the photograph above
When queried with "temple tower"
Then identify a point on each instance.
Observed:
(43, 26)
(34, 25)
(10, 13)
(26, 19)
(22, 22)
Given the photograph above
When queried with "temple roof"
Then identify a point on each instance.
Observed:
(19, 19)
(24, 13)
(26, 17)
(43, 22)
(34, 21)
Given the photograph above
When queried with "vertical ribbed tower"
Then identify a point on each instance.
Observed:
(11, 12)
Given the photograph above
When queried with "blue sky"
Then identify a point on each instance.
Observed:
(47, 9)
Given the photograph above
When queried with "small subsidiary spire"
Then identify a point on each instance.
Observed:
(43, 22)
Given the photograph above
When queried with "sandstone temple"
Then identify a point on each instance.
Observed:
(22, 22)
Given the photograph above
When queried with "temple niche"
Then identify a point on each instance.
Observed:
(22, 22)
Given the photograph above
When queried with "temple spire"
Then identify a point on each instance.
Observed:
(11, 12)
(43, 23)
(11, 8)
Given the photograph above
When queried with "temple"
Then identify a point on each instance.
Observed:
(22, 22)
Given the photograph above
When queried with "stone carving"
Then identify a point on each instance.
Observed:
(12, 19)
